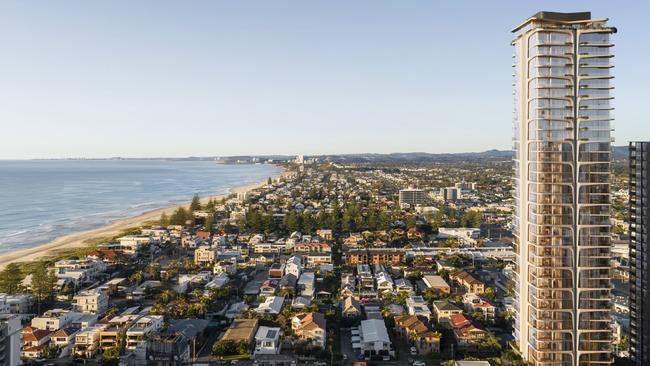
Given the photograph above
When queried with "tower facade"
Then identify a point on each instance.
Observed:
(639, 256)
(562, 98)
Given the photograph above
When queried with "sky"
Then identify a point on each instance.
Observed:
(216, 78)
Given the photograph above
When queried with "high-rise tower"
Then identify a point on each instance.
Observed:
(562, 95)
(639, 255)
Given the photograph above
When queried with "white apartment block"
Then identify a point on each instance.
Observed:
(90, 301)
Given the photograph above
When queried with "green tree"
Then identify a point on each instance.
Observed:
(224, 348)
(209, 223)
(43, 282)
(164, 219)
(195, 205)
(179, 217)
(10, 279)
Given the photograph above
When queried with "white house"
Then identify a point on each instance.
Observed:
(293, 266)
(417, 306)
(373, 338)
(384, 282)
(271, 305)
(267, 341)
(135, 335)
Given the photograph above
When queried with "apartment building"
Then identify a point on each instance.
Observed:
(90, 301)
(639, 256)
(561, 221)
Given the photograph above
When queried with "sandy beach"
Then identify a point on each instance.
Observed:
(115, 228)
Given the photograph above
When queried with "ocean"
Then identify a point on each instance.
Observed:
(41, 200)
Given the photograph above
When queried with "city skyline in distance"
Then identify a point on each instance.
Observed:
(157, 79)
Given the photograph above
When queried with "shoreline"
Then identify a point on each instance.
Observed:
(81, 239)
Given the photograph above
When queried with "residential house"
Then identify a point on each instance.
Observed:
(55, 319)
(141, 328)
(227, 267)
(86, 341)
(311, 327)
(437, 283)
(466, 332)
(293, 266)
(351, 307)
(403, 285)
(417, 332)
(467, 281)
(325, 234)
(269, 287)
(267, 341)
(306, 284)
(271, 305)
(373, 339)
(417, 306)
(444, 310)
(276, 270)
(241, 330)
(34, 342)
(384, 282)
(474, 303)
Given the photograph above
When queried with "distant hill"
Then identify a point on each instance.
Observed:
(619, 153)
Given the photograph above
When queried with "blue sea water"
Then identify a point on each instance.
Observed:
(41, 200)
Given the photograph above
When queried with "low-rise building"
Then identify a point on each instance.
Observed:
(467, 281)
(144, 325)
(444, 310)
(351, 307)
(271, 305)
(205, 256)
(318, 259)
(293, 266)
(86, 341)
(417, 306)
(417, 332)
(466, 332)
(474, 303)
(34, 341)
(311, 327)
(374, 339)
(90, 301)
(267, 341)
(376, 256)
(437, 283)
(241, 330)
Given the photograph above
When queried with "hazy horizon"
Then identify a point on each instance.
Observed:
(166, 79)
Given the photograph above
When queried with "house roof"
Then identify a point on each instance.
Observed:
(241, 330)
(374, 330)
(310, 321)
(31, 334)
(445, 306)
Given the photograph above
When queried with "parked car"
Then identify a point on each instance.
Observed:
(414, 351)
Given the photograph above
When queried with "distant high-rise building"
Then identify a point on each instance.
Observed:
(562, 114)
(411, 196)
(450, 193)
(639, 254)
